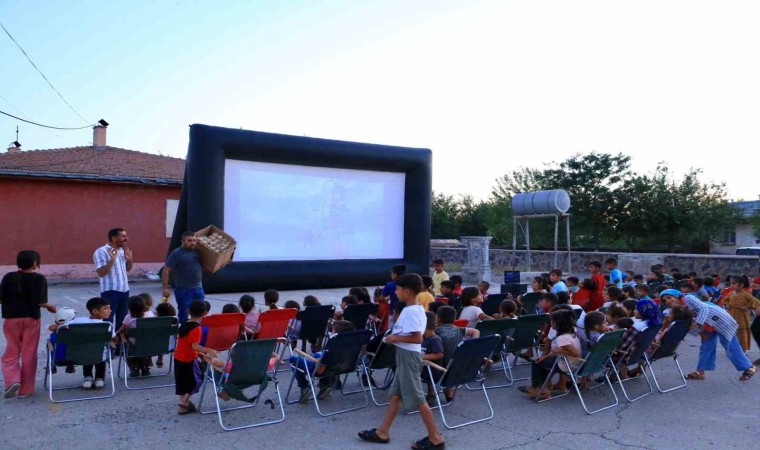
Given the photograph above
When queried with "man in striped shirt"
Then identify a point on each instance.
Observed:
(717, 324)
(112, 262)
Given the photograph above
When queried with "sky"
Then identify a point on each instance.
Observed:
(488, 86)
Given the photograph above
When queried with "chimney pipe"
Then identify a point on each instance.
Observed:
(99, 137)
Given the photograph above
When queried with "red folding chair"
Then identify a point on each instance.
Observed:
(223, 330)
(461, 323)
(274, 323)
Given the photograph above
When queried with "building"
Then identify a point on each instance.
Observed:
(62, 202)
(742, 236)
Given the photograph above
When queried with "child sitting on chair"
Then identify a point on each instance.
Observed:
(270, 299)
(300, 364)
(247, 303)
(471, 300)
(432, 350)
(136, 305)
(451, 336)
(166, 310)
(507, 310)
(225, 368)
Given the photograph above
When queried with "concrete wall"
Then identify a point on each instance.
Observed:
(543, 261)
(65, 221)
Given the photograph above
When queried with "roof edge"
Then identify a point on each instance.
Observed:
(84, 177)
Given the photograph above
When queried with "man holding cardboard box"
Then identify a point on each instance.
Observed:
(185, 262)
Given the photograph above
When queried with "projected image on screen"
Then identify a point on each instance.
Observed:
(282, 212)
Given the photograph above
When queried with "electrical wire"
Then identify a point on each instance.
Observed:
(27, 117)
(43, 75)
(44, 126)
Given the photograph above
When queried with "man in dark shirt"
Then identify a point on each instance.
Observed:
(185, 262)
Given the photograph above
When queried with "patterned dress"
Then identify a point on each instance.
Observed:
(738, 305)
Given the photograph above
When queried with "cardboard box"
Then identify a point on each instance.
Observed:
(213, 260)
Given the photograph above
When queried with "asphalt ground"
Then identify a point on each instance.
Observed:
(720, 412)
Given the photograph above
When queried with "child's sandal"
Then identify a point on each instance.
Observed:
(695, 376)
(747, 374)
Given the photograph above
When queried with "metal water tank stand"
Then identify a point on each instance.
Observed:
(526, 234)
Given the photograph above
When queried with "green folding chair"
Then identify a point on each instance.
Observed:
(84, 344)
(599, 359)
(524, 336)
(249, 368)
(153, 336)
(530, 302)
(668, 348)
(505, 329)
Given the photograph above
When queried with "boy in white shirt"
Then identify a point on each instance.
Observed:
(407, 336)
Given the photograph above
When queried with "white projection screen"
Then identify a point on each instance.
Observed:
(287, 212)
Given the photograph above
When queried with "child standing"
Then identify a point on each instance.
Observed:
(187, 376)
(389, 290)
(597, 296)
(738, 304)
(555, 277)
(407, 335)
(438, 276)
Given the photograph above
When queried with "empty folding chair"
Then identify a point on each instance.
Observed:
(524, 336)
(490, 305)
(383, 358)
(467, 365)
(340, 356)
(668, 347)
(504, 328)
(642, 341)
(85, 344)
(598, 360)
(310, 323)
(153, 336)
(247, 367)
(360, 315)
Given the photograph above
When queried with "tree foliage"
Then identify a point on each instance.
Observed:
(612, 207)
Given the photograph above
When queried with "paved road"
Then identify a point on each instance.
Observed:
(718, 413)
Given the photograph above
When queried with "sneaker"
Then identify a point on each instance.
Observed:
(145, 372)
(305, 394)
(87, 383)
(324, 392)
(12, 390)
(71, 369)
(99, 383)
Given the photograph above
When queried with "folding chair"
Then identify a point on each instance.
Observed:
(642, 341)
(344, 350)
(311, 323)
(274, 324)
(599, 359)
(383, 358)
(153, 336)
(223, 330)
(467, 365)
(505, 329)
(360, 315)
(461, 323)
(668, 347)
(530, 302)
(250, 361)
(491, 304)
(523, 337)
(86, 344)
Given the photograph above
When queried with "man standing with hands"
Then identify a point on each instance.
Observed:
(112, 262)
(185, 261)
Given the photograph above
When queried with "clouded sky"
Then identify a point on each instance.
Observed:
(489, 86)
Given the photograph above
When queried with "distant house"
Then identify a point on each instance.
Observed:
(742, 236)
(62, 202)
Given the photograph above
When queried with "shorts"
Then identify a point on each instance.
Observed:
(407, 383)
(187, 377)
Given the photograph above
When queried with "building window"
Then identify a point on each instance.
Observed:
(729, 237)
(171, 215)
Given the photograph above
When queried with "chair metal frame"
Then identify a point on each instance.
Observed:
(217, 388)
(363, 313)
(673, 337)
(172, 329)
(382, 354)
(61, 338)
(642, 341)
(334, 341)
(606, 346)
(515, 343)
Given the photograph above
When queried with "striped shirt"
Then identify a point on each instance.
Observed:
(116, 278)
(707, 313)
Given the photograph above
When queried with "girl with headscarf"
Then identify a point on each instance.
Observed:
(647, 314)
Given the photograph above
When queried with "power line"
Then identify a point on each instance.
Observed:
(44, 126)
(43, 75)
(24, 115)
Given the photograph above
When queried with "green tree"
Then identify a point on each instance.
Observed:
(444, 217)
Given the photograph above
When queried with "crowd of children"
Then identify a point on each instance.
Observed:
(417, 315)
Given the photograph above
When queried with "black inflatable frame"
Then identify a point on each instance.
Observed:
(202, 203)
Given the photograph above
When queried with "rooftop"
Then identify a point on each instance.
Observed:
(90, 163)
(748, 208)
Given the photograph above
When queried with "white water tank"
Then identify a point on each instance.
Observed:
(556, 201)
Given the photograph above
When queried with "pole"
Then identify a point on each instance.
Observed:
(567, 223)
(514, 241)
(556, 239)
(527, 241)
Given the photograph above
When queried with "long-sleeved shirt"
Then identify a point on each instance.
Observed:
(706, 313)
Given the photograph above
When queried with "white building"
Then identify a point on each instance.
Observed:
(742, 236)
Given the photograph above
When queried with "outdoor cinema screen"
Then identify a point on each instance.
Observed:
(306, 213)
(283, 212)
